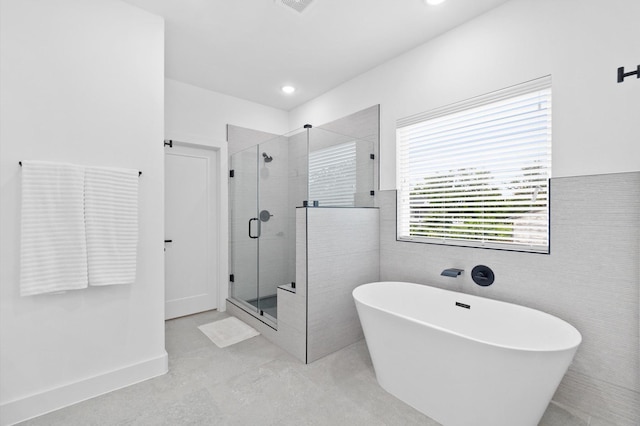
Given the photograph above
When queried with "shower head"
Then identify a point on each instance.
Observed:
(267, 159)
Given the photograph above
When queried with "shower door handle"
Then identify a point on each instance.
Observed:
(251, 220)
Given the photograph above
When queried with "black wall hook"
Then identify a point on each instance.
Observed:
(622, 74)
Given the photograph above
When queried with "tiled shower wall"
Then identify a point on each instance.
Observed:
(341, 252)
(590, 279)
(275, 265)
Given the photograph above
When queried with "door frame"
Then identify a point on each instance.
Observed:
(222, 207)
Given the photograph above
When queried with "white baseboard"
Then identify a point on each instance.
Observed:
(16, 411)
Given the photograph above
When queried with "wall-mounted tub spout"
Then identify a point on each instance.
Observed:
(452, 272)
(267, 158)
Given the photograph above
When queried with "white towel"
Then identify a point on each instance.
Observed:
(53, 251)
(111, 216)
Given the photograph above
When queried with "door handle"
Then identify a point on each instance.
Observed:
(251, 220)
(168, 241)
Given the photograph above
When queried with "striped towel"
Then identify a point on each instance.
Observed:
(111, 216)
(53, 250)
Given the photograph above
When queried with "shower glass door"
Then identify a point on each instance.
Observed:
(268, 183)
(243, 200)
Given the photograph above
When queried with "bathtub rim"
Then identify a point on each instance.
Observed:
(576, 339)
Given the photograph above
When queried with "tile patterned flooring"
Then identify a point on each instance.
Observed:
(253, 382)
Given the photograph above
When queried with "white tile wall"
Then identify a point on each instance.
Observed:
(342, 253)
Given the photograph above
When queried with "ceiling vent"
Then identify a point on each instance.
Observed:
(297, 5)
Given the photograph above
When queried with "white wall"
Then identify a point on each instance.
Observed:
(192, 112)
(199, 117)
(581, 43)
(80, 82)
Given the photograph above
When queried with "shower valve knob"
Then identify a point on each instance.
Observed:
(265, 215)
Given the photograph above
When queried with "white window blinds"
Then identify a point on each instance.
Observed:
(332, 175)
(476, 173)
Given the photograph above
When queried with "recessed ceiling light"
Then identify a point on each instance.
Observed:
(288, 89)
(433, 2)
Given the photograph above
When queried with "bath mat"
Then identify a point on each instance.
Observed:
(228, 331)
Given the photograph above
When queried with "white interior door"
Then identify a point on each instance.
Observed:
(191, 258)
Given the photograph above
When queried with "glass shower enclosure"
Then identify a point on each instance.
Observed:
(268, 181)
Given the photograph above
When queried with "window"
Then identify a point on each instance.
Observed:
(476, 173)
(332, 175)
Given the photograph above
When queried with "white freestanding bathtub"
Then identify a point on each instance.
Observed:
(464, 360)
